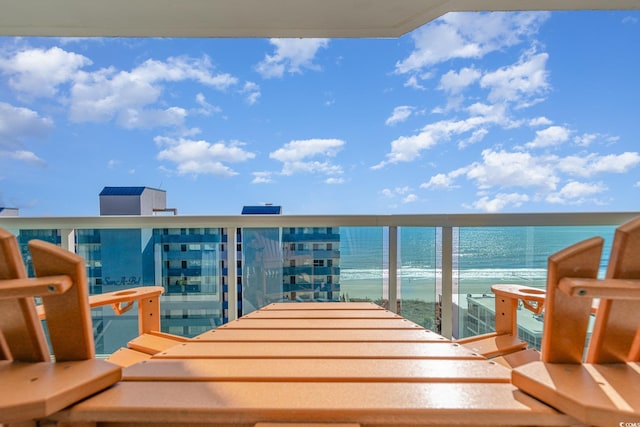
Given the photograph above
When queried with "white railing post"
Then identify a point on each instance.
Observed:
(393, 269)
(446, 322)
(68, 239)
(232, 273)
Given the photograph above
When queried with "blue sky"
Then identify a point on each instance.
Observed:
(471, 113)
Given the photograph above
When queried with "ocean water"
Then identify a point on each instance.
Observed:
(482, 257)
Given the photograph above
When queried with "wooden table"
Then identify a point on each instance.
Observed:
(304, 363)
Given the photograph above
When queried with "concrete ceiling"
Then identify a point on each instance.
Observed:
(251, 18)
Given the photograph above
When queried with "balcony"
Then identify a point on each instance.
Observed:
(429, 268)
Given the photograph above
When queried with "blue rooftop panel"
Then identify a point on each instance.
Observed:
(122, 191)
(262, 210)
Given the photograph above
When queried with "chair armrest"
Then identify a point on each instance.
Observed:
(33, 287)
(124, 297)
(626, 289)
(532, 298)
(148, 298)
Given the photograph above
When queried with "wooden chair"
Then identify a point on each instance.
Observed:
(34, 386)
(503, 345)
(605, 388)
(150, 340)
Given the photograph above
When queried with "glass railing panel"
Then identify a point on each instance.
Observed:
(185, 262)
(24, 236)
(417, 276)
(484, 256)
(297, 264)
(263, 260)
(364, 269)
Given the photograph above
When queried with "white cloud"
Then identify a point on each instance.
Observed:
(405, 194)
(539, 121)
(107, 93)
(399, 115)
(585, 139)
(410, 198)
(252, 91)
(206, 109)
(133, 118)
(412, 82)
(575, 192)
(300, 156)
(334, 180)
(39, 72)
(291, 56)
(476, 136)
(592, 164)
(262, 178)
(202, 157)
(468, 35)
(523, 83)
(454, 82)
(408, 148)
(500, 202)
(508, 169)
(27, 157)
(439, 181)
(18, 124)
(551, 136)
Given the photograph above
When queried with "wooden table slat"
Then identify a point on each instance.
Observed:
(310, 370)
(322, 314)
(307, 306)
(247, 403)
(320, 335)
(341, 350)
(391, 323)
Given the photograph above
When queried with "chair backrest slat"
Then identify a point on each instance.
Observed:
(22, 337)
(68, 314)
(617, 321)
(566, 319)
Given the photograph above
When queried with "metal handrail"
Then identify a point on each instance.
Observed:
(446, 222)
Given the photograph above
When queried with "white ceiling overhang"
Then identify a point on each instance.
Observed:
(251, 18)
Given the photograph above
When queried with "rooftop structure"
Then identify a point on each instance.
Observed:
(262, 210)
(133, 201)
(9, 211)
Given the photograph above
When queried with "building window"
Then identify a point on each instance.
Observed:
(329, 263)
(316, 246)
(292, 280)
(184, 264)
(292, 247)
(183, 248)
(166, 248)
(329, 246)
(301, 246)
(318, 263)
(292, 263)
